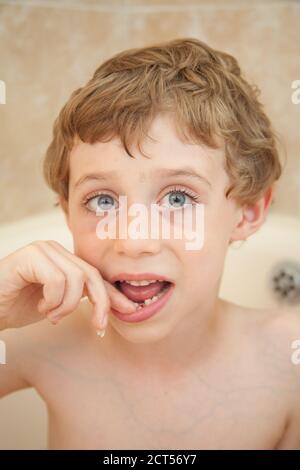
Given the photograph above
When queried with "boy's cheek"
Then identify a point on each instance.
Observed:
(218, 228)
(89, 249)
(204, 267)
(84, 225)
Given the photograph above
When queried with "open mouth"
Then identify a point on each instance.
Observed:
(149, 297)
(143, 293)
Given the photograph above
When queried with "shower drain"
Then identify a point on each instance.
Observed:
(285, 282)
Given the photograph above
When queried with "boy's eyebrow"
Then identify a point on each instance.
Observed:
(163, 172)
(185, 172)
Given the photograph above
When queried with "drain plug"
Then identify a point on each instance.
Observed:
(285, 282)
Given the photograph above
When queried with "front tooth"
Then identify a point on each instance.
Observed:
(139, 283)
(146, 302)
(149, 301)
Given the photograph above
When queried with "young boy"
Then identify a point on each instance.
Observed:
(185, 370)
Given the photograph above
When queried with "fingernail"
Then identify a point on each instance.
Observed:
(101, 333)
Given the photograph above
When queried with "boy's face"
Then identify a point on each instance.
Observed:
(195, 273)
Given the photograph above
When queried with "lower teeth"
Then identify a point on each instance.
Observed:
(153, 299)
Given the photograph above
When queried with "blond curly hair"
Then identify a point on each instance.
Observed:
(201, 87)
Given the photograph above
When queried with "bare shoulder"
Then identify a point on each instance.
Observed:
(284, 328)
(273, 337)
(282, 322)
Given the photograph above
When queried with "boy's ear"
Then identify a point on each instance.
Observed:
(252, 217)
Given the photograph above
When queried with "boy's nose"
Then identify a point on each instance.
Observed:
(137, 247)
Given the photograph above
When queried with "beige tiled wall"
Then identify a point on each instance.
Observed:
(48, 48)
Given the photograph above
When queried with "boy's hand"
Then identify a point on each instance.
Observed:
(44, 279)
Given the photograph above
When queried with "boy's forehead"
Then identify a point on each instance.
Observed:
(111, 157)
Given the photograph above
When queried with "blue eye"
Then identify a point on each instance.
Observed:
(177, 198)
(104, 202)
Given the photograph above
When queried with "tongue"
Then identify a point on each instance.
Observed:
(141, 293)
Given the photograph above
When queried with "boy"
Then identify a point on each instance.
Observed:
(178, 367)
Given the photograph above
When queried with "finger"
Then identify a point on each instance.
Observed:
(118, 300)
(75, 279)
(95, 288)
(39, 269)
(100, 300)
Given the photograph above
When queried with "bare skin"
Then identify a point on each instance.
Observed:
(240, 392)
(201, 373)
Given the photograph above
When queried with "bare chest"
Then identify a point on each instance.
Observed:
(105, 409)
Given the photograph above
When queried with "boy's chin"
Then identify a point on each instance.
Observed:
(142, 333)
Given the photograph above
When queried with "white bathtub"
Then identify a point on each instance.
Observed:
(246, 281)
